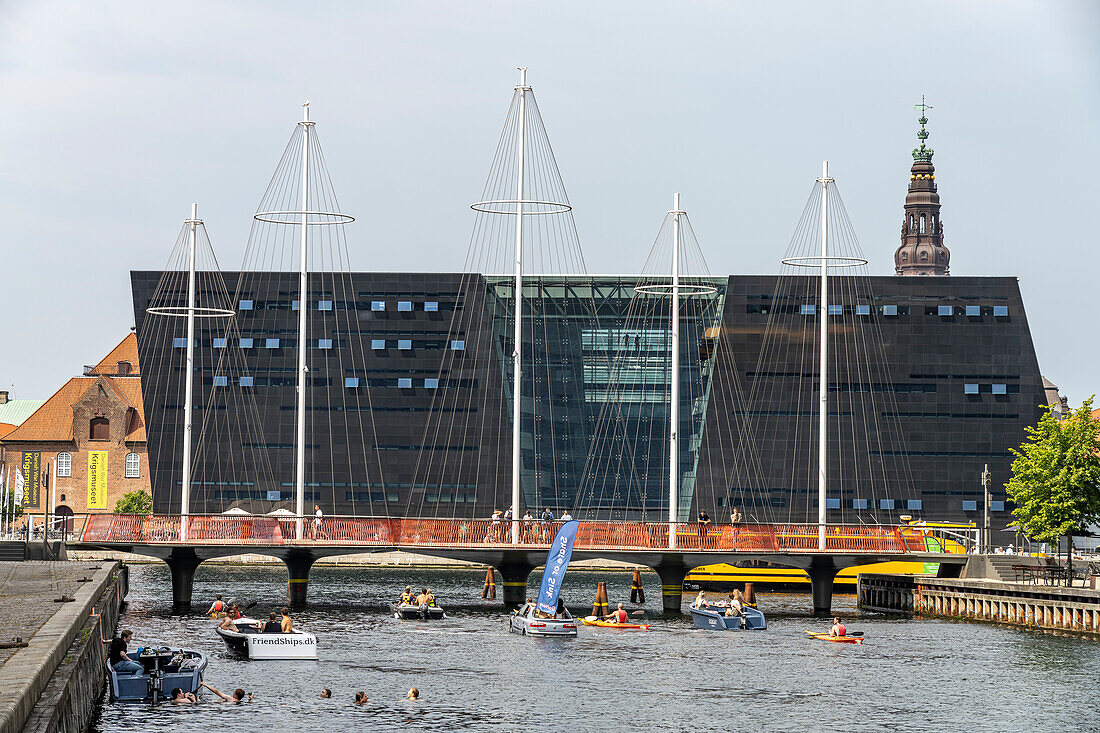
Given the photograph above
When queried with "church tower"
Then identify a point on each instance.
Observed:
(922, 251)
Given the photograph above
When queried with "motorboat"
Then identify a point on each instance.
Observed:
(250, 642)
(714, 618)
(525, 621)
(164, 669)
(413, 611)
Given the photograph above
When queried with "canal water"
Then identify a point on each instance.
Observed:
(474, 675)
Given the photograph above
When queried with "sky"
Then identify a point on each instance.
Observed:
(119, 114)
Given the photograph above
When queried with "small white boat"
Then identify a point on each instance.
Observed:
(423, 611)
(524, 621)
(249, 642)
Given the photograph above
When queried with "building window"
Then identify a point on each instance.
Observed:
(405, 306)
(1000, 311)
(351, 382)
(970, 389)
(180, 343)
(973, 310)
(859, 503)
(970, 506)
(378, 344)
(221, 381)
(431, 306)
(886, 504)
(295, 305)
(458, 346)
(1000, 389)
(99, 429)
(431, 383)
(914, 504)
(404, 344)
(807, 310)
(324, 305)
(836, 310)
(378, 305)
(64, 465)
(996, 506)
(246, 343)
(246, 381)
(889, 310)
(945, 310)
(271, 343)
(324, 343)
(220, 343)
(832, 503)
(245, 305)
(133, 465)
(863, 310)
(404, 383)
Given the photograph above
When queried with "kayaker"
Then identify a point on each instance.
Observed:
(217, 607)
(407, 597)
(618, 615)
(838, 628)
(286, 625)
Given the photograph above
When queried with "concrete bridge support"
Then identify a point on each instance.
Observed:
(672, 576)
(822, 572)
(298, 565)
(514, 574)
(182, 564)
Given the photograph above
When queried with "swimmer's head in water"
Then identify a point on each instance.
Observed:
(414, 694)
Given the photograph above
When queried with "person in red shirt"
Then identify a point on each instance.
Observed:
(838, 628)
(618, 615)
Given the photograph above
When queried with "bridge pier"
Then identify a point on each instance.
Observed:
(298, 565)
(182, 565)
(822, 572)
(514, 574)
(672, 576)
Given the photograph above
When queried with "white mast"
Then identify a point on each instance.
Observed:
(188, 388)
(823, 384)
(518, 335)
(674, 397)
(303, 293)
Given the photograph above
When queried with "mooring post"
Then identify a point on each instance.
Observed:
(637, 593)
(599, 606)
(513, 574)
(821, 586)
(489, 590)
(182, 566)
(672, 585)
(298, 565)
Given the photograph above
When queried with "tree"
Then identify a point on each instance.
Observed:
(134, 502)
(7, 498)
(1056, 475)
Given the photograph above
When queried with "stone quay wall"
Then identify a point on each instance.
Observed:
(1019, 604)
(57, 680)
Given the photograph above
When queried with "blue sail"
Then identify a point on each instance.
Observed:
(557, 561)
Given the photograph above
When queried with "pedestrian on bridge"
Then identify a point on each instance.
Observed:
(704, 528)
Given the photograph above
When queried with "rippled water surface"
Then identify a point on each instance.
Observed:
(474, 675)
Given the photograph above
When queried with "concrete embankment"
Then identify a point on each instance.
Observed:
(979, 599)
(64, 609)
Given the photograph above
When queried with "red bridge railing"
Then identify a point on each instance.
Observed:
(368, 532)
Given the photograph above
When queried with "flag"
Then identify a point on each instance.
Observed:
(17, 486)
(557, 561)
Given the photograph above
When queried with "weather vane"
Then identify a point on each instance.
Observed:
(922, 106)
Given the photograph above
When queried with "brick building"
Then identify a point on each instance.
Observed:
(85, 446)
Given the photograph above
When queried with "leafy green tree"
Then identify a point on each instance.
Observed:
(134, 502)
(1056, 475)
(7, 498)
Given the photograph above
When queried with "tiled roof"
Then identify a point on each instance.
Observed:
(15, 412)
(5, 428)
(125, 351)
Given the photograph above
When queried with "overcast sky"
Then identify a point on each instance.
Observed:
(117, 115)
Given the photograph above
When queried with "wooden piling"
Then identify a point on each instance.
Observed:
(637, 593)
(490, 588)
(750, 594)
(599, 608)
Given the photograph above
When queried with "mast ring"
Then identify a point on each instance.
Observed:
(323, 218)
(828, 261)
(541, 207)
(181, 311)
(686, 290)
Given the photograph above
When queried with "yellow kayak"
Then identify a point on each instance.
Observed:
(837, 639)
(593, 621)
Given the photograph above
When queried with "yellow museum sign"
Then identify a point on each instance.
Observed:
(97, 479)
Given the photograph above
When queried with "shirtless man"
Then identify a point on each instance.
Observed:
(237, 696)
(286, 624)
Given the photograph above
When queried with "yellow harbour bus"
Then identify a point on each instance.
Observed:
(765, 576)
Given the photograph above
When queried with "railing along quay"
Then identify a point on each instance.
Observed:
(340, 531)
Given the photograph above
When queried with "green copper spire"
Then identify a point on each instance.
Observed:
(923, 154)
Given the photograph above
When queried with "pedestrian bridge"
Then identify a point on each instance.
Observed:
(516, 548)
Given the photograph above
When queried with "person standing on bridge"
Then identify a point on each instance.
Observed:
(704, 528)
(318, 518)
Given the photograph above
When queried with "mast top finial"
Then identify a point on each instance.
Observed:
(825, 173)
(305, 111)
(522, 86)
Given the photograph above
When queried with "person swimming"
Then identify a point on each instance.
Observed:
(414, 694)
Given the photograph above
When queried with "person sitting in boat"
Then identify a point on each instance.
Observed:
(431, 598)
(217, 607)
(838, 628)
(407, 597)
(738, 596)
(120, 661)
(272, 625)
(286, 625)
(734, 608)
(700, 601)
(618, 615)
(227, 624)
